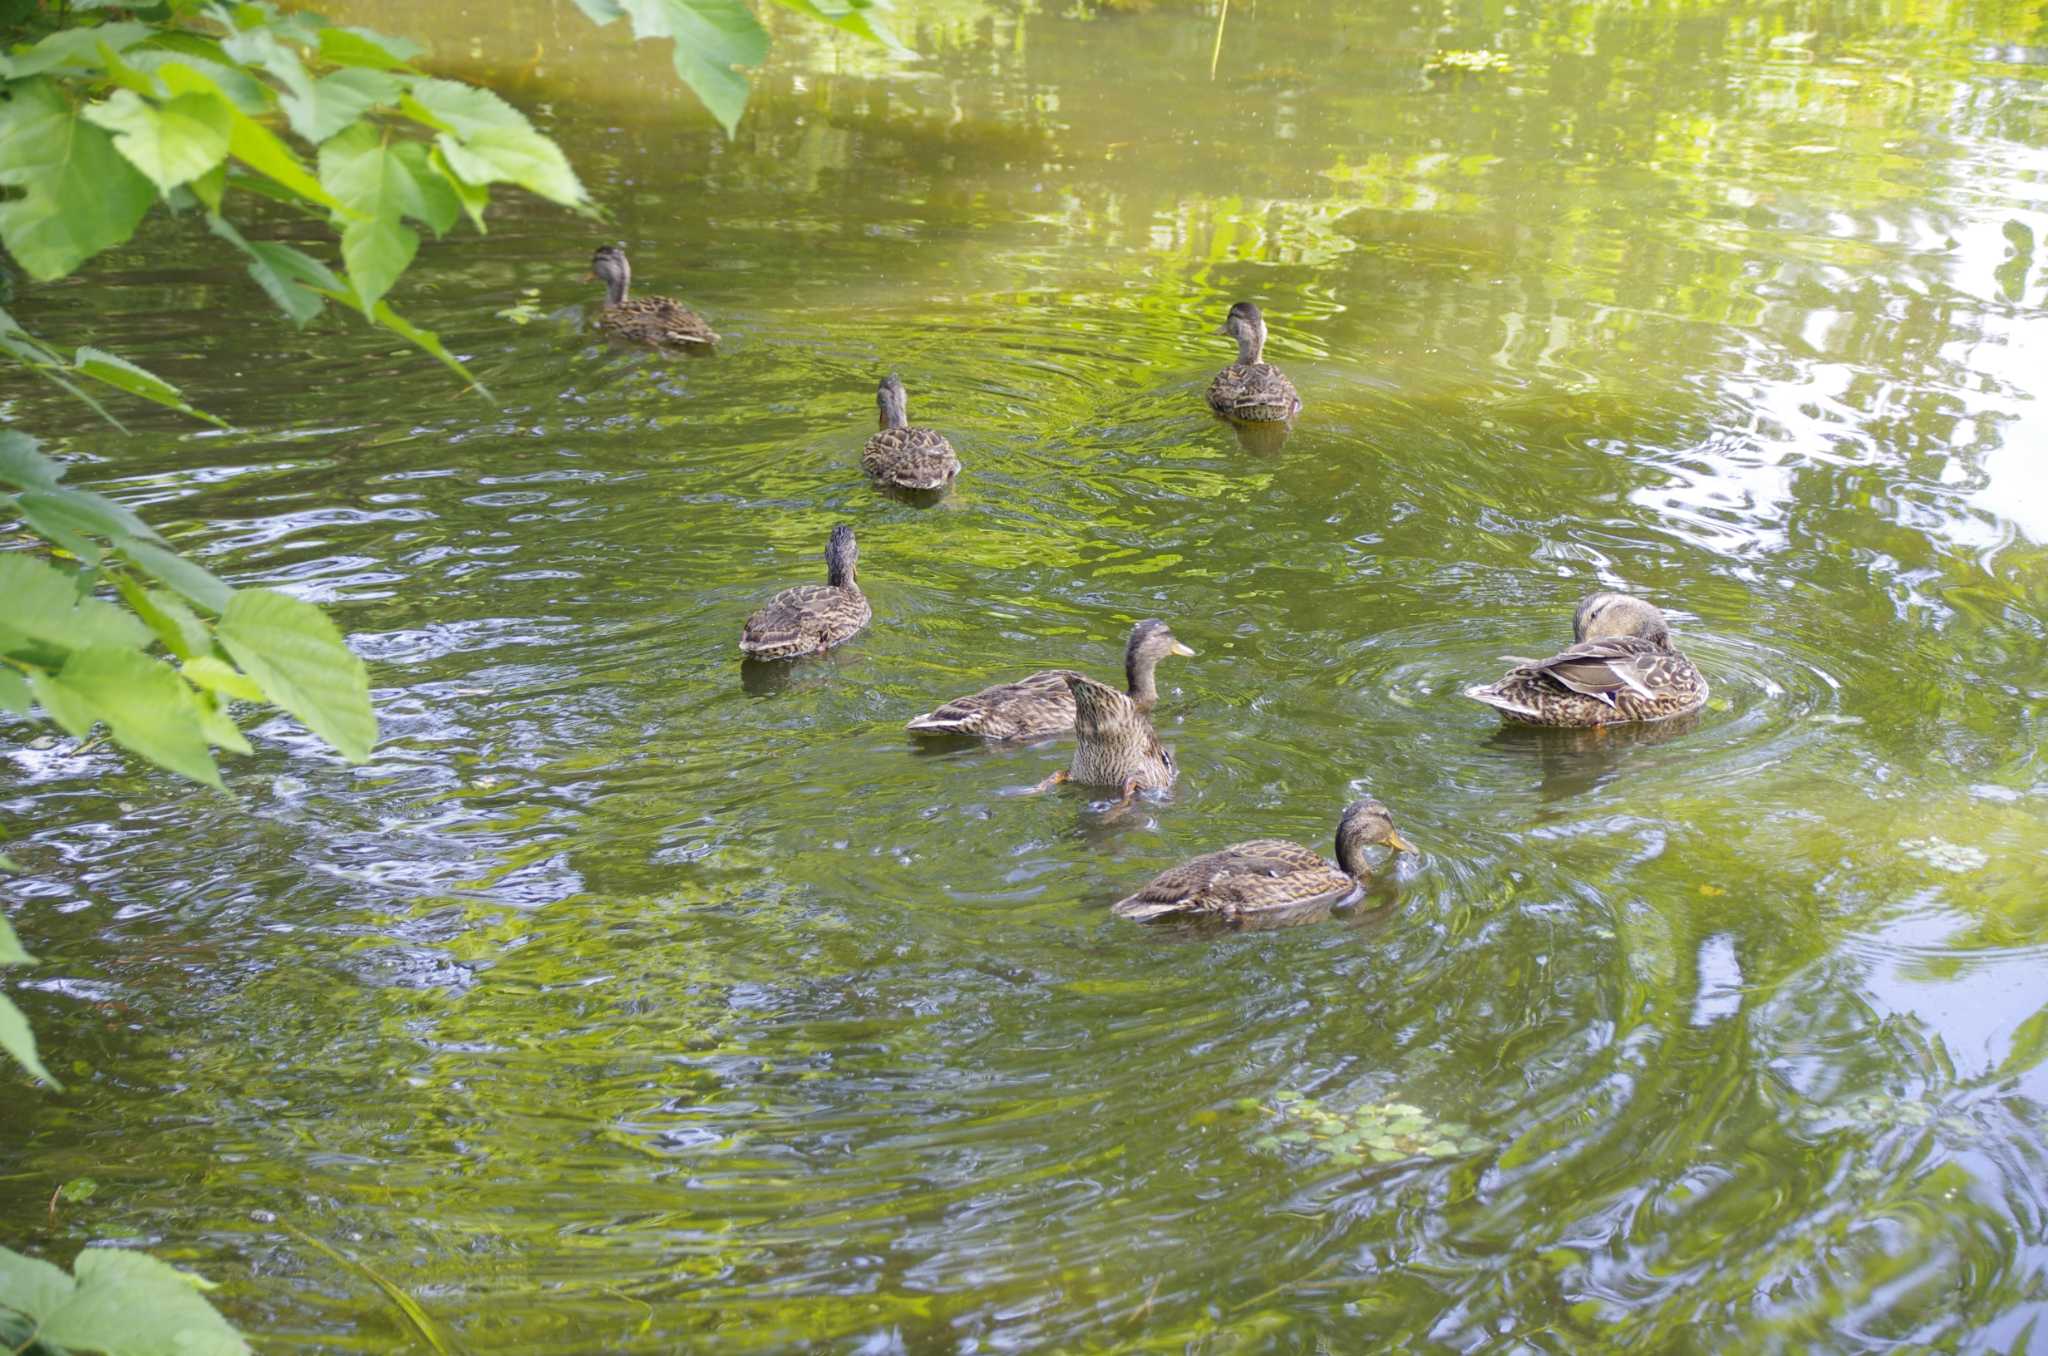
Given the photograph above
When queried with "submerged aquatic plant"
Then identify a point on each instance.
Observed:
(1374, 1132)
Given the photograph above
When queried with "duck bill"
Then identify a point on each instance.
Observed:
(1399, 844)
(1183, 650)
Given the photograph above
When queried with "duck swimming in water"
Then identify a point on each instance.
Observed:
(902, 455)
(1041, 705)
(662, 321)
(811, 618)
(1251, 389)
(1267, 875)
(1621, 667)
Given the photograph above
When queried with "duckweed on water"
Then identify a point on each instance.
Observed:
(1375, 1132)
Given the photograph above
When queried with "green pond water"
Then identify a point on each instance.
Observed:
(627, 1001)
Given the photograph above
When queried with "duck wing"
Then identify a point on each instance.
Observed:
(912, 458)
(1029, 707)
(1252, 877)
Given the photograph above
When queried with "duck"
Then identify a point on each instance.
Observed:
(1041, 705)
(1117, 744)
(1621, 667)
(812, 618)
(644, 320)
(902, 455)
(1267, 875)
(1250, 389)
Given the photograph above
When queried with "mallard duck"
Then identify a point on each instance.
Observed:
(1041, 705)
(1622, 667)
(900, 455)
(1117, 744)
(811, 618)
(644, 320)
(1249, 389)
(1267, 875)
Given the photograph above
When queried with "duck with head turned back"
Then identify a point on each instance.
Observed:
(811, 618)
(902, 455)
(1251, 389)
(1115, 744)
(1267, 875)
(1042, 705)
(662, 321)
(1621, 667)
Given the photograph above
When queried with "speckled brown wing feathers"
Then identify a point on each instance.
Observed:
(1116, 741)
(1257, 392)
(1598, 682)
(655, 320)
(1260, 876)
(911, 458)
(1029, 708)
(804, 620)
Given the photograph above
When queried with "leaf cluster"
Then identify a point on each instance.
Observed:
(114, 1301)
(200, 111)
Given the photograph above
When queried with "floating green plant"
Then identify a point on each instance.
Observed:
(1471, 62)
(1376, 1132)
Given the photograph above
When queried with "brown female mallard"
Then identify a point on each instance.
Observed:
(1622, 667)
(900, 455)
(662, 321)
(1041, 705)
(811, 618)
(1267, 875)
(1117, 744)
(1249, 389)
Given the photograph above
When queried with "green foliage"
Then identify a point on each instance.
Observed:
(15, 1037)
(715, 38)
(116, 1302)
(102, 120)
(89, 660)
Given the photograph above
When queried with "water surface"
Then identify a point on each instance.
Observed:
(626, 1003)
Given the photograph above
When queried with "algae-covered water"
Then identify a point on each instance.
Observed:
(627, 1002)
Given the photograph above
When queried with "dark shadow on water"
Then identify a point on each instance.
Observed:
(912, 498)
(1263, 438)
(1574, 762)
(768, 677)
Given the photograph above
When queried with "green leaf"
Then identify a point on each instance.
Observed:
(376, 253)
(73, 47)
(182, 633)
(145, 706)
(218, 676)
(249, 141)
(85, 511)
(123, 375)
(14, 694)
(862, 18)
(473, 197)
(713, 37)
(43, 604)
(425, 339)
(128, 1303)
(434, 199)
(2029, 1046)
(11, 951)
(58, 529)
(365, 172)
(78, 194)
(219, 730)
(287, 276)
(45, 362)
(171, 145)
(296, 654)
(485, 141)
(20, 1042)
(190, 580)
(347, 45)
(333, 102)
(24, 467)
